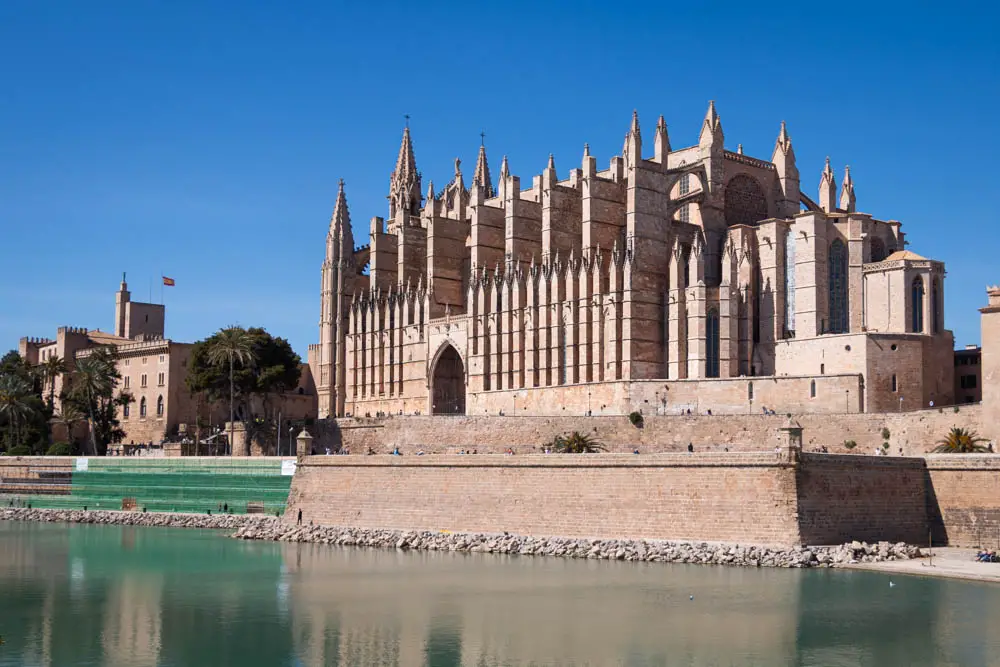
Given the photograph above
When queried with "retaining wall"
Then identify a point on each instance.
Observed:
(914, 432)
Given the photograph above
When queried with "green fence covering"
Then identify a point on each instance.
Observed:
(173, 485)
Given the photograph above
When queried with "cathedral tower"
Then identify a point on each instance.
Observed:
(337, 288)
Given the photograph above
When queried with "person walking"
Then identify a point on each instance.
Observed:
(300, 517)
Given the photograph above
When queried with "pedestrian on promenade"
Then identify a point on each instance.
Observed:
(300, 517)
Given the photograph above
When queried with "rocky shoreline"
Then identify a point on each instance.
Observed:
(157, 519)
(257, 527)
(655, 551)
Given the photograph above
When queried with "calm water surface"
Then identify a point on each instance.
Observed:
(107, 595)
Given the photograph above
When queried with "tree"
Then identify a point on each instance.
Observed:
(52, 368)
(232, 345)
(69, 417)
(961, 441)
(577, 443)
(273, 369)
(15, 407)
(93, 393)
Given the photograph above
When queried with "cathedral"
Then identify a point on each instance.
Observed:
(690, 280)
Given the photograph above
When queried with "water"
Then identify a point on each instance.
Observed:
(108, 595)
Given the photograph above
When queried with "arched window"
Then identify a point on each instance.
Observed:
(125, 410)
(894, 382)
(712, 344)
(838, 287)
(789, 283)
(142, 406)
(685, 214)
(687, 265)
(159, 406)
(877, 250)
(685, 184)
(812, 389)
(917, 304)
(935, 306)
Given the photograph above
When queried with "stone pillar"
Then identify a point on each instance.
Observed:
(303, 445)
(990, 322)
(790, 441)
(237, 433)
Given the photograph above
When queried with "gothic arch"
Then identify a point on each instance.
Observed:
(745, 201)
(917, 305)
(838, 287)
(447, 381)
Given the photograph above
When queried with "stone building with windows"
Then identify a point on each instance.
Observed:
(969, 374)
(153, 371)
(675, 279)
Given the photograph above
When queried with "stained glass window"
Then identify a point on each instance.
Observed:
(712, 344)
(838, 287)
(917, 303)
(789, 283)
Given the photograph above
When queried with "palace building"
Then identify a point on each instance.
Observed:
(673, 280)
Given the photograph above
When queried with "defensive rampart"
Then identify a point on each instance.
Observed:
(913, 432)
(764, 498)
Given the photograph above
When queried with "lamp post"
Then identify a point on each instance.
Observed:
(291, 429)
(588, 402)
(900, 403)
(847, 400)
(657, 398)
(515, 403)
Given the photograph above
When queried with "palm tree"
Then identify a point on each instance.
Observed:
(68, 417)
(15, 405)
(961, 441)
(94, 378)
(577, 443)
(52, 368)
(232, 345)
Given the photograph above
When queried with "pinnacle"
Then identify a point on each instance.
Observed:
(661, 124)
(552, 162)
(406, 163)
(482, 173)
(586, 150)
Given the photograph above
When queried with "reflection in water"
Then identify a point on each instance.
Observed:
(103, 595)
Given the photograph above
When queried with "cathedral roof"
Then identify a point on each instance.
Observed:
(904, 254)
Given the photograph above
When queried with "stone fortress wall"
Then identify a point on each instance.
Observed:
(914, 432)
(748, 498)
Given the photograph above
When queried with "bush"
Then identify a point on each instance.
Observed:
(956, 408)
(850, 444)
(19, 450)
(635, 418)
(60, 449)
(885, 433)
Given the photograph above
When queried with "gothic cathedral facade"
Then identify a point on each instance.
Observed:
(696, 279)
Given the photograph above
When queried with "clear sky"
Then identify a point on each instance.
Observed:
(203, 140)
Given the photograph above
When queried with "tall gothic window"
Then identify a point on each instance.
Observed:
(685, 184)
(685, 213)
(917, 302)
(142, 407)
(159, 406)
(935, 306)
(877, 250)
(838, 287)
(789, 284)
(687, 265)
(712, 344)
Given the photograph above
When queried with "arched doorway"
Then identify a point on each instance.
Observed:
(448, 384)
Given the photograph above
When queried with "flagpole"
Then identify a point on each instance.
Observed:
(161, 287)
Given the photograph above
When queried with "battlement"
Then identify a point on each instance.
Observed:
(34, 341)
(83, 331)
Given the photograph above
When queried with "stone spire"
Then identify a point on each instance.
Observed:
(404, 184)
(661, 143)
(847, 199)
(482, 176)
(632, 152)
(340, 239)
(783, 158)
(502, 183)
(827, 189)
(711, 127)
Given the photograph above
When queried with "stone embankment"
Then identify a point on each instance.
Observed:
(161, 519)
(626, 550)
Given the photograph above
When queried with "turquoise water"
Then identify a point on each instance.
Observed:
(108, 595)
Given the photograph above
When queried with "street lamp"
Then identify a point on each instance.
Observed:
(290, 429)
(588, 403)
(847, 401)
(900, 403)
(656, 396)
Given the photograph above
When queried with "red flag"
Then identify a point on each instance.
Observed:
(169, 282)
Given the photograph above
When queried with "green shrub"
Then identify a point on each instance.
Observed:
(635, 418)
(19, 450)
(850, 444)
(60, 449)
(885, 433)
(956, 408)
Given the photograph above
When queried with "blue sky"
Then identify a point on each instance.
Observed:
(204, 140)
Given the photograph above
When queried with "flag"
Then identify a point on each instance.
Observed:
(169, 282)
